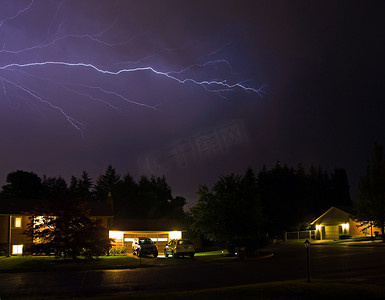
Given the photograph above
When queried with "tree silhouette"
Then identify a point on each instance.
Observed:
(54, 187)
(22, 185)
(230, 212)
(106, 182)
(67, 230)
(371, 198)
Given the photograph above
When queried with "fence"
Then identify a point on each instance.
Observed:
(300, 235)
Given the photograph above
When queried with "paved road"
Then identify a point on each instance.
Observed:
(363, 264)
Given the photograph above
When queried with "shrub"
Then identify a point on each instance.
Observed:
(118, 250)
(344, 236)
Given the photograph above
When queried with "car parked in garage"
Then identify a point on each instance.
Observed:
(179, 247)
(144, 246)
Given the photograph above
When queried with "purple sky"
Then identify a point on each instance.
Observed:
(295, 81)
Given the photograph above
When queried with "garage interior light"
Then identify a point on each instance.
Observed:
(174, 235)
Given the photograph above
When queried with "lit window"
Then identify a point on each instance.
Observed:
(128, 239)
(17, 222)
(17, 249)
(345, 227)
(318, 227)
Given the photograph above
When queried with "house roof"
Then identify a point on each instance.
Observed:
(21, 206)
(146, 225)
(333, 216)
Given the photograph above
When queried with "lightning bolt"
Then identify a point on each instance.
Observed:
(23, 64)
(17, 14)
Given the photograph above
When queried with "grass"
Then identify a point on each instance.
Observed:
(47, 263)
(360, 241)
(318, 289)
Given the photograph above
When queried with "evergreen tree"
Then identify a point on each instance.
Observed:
(84, 186)
(340, 188)
(54, 188)
(125, 195)
(106, 183)
(371, 200)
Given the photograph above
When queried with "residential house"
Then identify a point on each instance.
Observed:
(338, 222)
(14, 222)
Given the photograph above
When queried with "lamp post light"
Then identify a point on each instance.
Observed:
(307, 246)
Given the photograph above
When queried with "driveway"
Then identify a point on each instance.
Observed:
(344, 263)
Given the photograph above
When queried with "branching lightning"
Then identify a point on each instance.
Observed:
(23, 64)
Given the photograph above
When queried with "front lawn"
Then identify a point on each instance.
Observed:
(48, 263)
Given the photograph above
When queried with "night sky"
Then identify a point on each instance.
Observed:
(192, 90)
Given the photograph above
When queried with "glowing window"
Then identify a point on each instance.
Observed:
(17, 222)
(345, 227)
(174, 235)
(318, 227)
(17, 249)
(128, 239)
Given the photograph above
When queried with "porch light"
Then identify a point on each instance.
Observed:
(318, 227)
(345, 227)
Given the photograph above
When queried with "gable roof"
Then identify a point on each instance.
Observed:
(333, 215)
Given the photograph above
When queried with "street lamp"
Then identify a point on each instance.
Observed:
(307, 246)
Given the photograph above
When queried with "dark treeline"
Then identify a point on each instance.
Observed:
(292, 198)
(149, 197)
(289, 198)
(247, 210)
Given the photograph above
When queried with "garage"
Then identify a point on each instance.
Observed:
(159, 238)
(160, 231)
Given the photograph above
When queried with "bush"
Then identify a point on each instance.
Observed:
(344, 236)
(118, 251)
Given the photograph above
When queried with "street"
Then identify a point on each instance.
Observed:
(336, 262)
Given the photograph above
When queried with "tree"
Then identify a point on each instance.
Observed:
(280, 196)
(230, 213)
(73, 188)
(340, 188)
(125, 198)
(155, 196)
(54, 188)
(147, 198)
(22, 185)
(67, 230)
(371, 197)
(106, 182)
